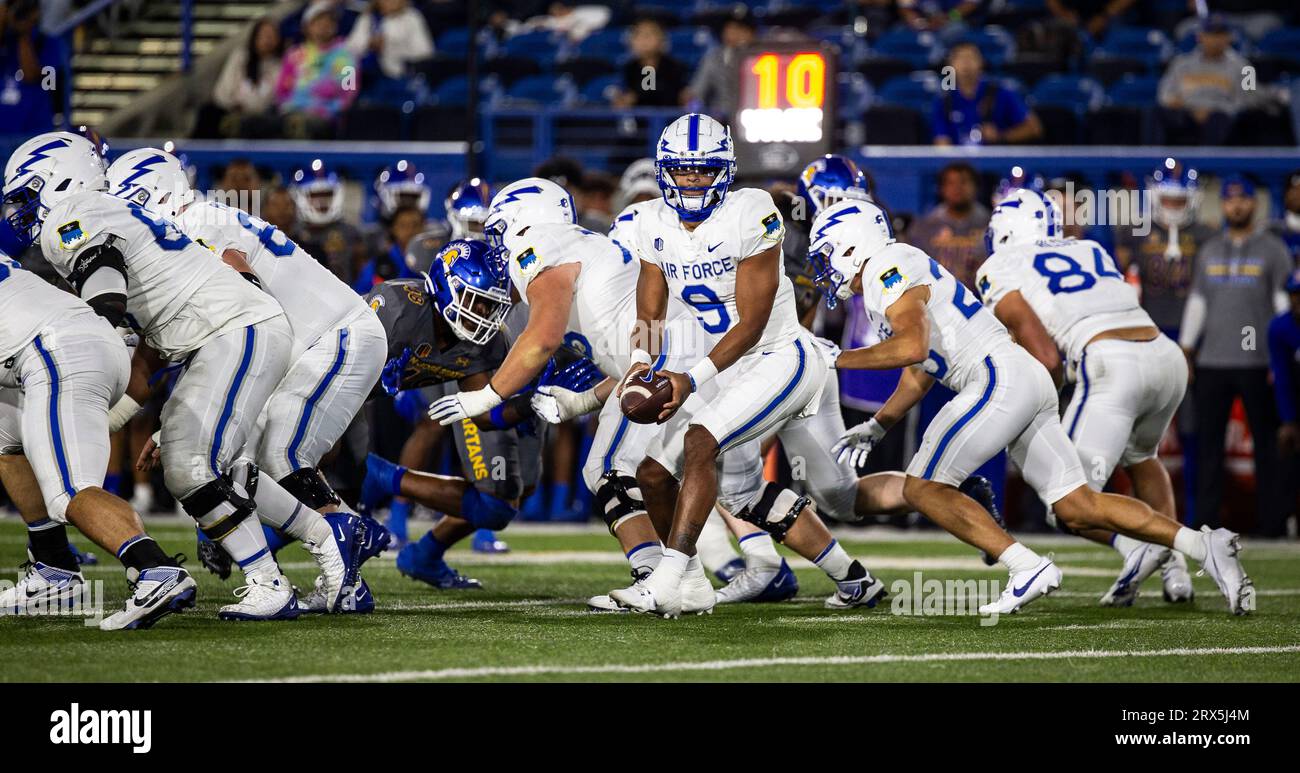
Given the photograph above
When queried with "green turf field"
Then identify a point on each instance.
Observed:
(529, 624)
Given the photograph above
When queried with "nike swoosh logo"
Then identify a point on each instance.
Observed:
(1021, 590)
(158, 591)
(714, 247)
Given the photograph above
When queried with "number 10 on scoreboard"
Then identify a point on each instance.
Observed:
(783, 96)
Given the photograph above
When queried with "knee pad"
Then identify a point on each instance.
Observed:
(775, 511)
(206, 504)
(618, 497)
(309, 487)
(243, 476)
(485, 511)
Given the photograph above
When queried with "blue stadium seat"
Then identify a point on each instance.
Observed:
(540, 46)
(994, 43)
(453, 42)
(605, 44)
(916, 91)
(1147, 44)
(1282, 43)
(452, 92)
(917, 49)
(1134, 91)
(1076, 92)
(540, 89)
(855, 95)
(683, 40)
(600, 90)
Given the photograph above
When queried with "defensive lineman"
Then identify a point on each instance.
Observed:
(935, 327)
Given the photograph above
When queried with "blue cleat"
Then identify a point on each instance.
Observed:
(485, 541)
(348, 533)
(84, 557)
(728, 571)
(783, 586)
(979, 489)
(374, 538)
(360, 602)
(414, 562)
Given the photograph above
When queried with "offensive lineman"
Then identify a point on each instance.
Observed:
(933, 326)
(1055, 292)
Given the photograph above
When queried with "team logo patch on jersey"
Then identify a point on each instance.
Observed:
(423, 350)
(71, 235)
(659, 244)
(377, 303)
(772, 223)
(414, 295)
(527, 259)
(892, 279)
(983, 287)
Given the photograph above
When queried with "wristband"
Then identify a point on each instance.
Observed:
(641, 357)
(121, 413)
(702, 373)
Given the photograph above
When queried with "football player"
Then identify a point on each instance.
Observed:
(467, 208)
(318, 195)
(70, 366)
(234, 339)
(339, 345)
(938, 330)
(1054, 293)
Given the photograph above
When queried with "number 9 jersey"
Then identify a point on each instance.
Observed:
(700, 266)
(1072, 285)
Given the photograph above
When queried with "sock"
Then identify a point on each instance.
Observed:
(140, 553)
(434, 548)
(398, 512)
(279, 510)
(1019, 558)
(113, 483)
(48, 540)
(759, 549)
(1125, 545)
(695, 569)
(834, 561)
(388, 474)
(275, 539)
(713, 546)
(1189, 543)
(645, 556)
(246, 544)
(559, 498)
(670, 570)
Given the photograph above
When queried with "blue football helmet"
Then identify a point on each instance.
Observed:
(318, 194)
(1175, 194)
(467, 208)
(469, 290)
(695, 141)
(830, 179)
(401, 184)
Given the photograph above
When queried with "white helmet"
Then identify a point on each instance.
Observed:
(153, 179)
(44, 171)
(844, 237)
(1025, 216)
(695, 141)
(531, 201)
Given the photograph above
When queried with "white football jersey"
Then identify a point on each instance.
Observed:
(313, 298)
(604, 296)
(700, 265)
(1073, 285)
(179, 294)
(962, 332)
(30, 304)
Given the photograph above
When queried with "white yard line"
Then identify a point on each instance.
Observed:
(742, 663)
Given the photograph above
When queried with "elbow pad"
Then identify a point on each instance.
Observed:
(95, 259)
(252, 278)
(110, 306)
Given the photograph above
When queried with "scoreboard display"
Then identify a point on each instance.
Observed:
(785, 117)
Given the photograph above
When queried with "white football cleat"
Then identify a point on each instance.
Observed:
(863, 592)
(263, 599)
(1139, 564)
(749, 584)
(1176, 579)
(604, 603)
(1024, 587)
(43, 589)
(333, 567)
(638, 597)
(1221, 563)
(142, 499)
(158, 592)
(698, 596)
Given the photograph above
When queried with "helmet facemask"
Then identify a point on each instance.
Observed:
(694, 203)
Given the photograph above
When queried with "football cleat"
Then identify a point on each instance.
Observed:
(761, 584)
(485, 541)
(865, 591)
(374, 538)
(1221, 563)
(84, 557)
(603, 602)
(263, 599)
(214, 558)
(157, 592)
(414, 563)
(979, 489)
(1139, 564)
(1177, 581)
(1024, 587)
(728, 571)
(336, 555)
(42, 589)
(698, 596)
(142, 500)
(357, 601)
(638, 597)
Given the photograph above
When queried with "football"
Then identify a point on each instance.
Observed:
(644, 397)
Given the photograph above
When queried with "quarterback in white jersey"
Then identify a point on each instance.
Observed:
(338, 354)
(130, 264)
(66, 365)
(937, 329)
(1054, 292)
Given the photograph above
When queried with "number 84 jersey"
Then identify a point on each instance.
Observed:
(701, 265)
(1073, 285)
(178, 294)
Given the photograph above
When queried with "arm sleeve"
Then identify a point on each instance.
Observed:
(1193, 321)
(1281, 358)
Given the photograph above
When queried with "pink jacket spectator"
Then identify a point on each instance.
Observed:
(319, 81)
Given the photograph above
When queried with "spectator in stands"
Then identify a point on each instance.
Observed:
(244, 97)
(976, 110)
(715, 85)
(279, 210)
(1287, 227)
(346, 13)
(319, 79)
(25, 106)
(1201, 91)
(953, 232)
(574, 22)
(652, 77)
(1237, 289)
(389, 38)
(937, 14)
(1091, 16)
